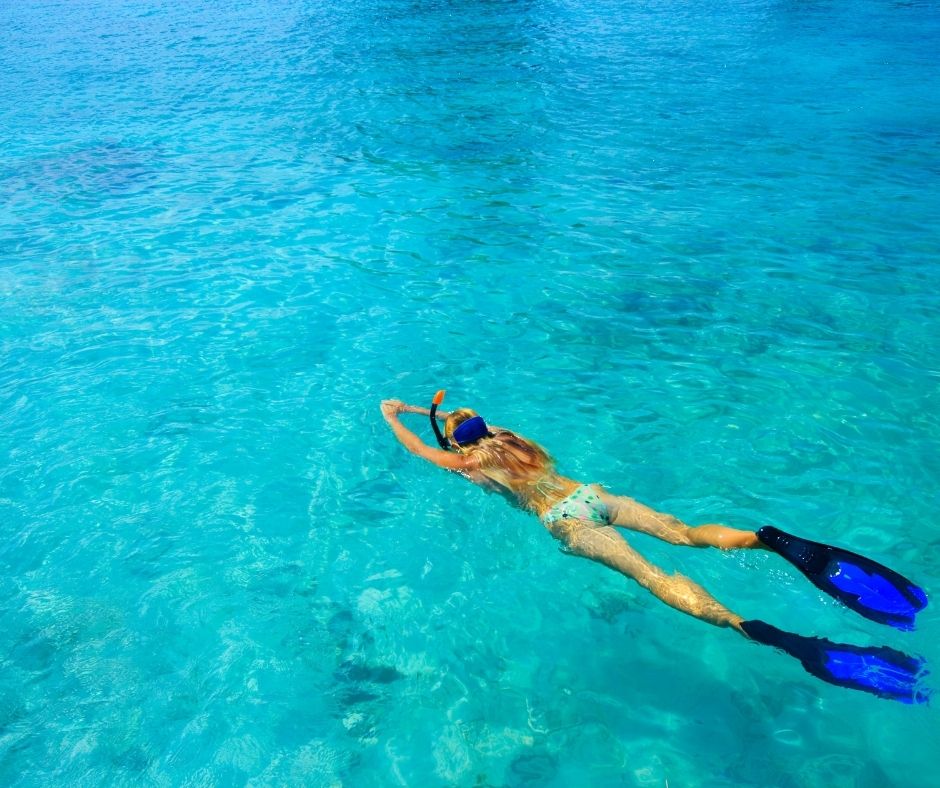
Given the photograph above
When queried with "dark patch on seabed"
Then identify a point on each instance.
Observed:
(103, 168)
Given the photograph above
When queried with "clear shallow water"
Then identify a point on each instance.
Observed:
(691, 249)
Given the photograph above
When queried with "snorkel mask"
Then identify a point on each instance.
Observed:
(469, 431)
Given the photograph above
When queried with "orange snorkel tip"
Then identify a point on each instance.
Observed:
(439, 397)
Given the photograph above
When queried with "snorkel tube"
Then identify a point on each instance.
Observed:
(438, 399)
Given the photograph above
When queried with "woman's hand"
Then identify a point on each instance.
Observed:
(391, 408)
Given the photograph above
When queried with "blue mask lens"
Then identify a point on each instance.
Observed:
(471, 430)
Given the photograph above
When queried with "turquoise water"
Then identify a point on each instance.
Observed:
(691, 247)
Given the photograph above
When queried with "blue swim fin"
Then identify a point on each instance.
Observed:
(867, 587)
(880, 670)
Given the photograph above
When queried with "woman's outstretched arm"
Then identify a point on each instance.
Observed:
(440, 415)
(636, 516)
(443, 459)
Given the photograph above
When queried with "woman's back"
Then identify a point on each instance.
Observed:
(519, 466)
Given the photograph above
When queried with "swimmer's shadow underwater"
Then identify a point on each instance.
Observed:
(868, 588)
(583, 516)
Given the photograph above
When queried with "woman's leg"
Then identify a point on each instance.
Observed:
(608, 547)
(632, 514)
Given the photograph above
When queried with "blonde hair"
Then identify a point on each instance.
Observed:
(516, 463)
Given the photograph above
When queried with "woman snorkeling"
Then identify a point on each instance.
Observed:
(585, 518)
